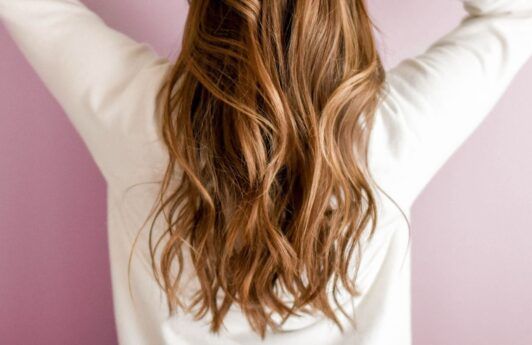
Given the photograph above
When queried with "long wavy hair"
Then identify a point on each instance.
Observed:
(266, 116)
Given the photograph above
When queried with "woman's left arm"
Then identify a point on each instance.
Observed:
(104, 80)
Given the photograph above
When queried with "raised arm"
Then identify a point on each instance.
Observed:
(435, 100)
(104, 80)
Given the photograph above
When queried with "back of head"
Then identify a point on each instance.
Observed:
(266, 116)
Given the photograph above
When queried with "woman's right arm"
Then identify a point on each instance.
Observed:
(435, 100)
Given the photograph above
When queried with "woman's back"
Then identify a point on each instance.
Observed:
(107, 85)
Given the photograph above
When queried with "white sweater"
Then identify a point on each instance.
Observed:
(106, 84)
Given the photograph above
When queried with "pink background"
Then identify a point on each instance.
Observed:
(472, 271)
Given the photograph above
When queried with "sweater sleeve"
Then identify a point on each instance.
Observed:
(104, 80)
(433, 101)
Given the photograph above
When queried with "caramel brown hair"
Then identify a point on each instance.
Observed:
(266, 116)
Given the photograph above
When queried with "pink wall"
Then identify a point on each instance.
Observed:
(471, 226)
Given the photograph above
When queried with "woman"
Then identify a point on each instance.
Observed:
(259, 187)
